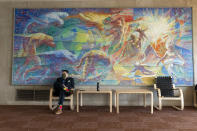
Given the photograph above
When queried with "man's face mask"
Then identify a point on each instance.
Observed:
(64, 75)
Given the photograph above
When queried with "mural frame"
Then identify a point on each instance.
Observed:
(103, 83)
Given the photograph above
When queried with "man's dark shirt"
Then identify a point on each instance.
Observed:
(58, 85)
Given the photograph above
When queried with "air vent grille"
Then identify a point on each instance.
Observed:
(32, 95)
(41, 95)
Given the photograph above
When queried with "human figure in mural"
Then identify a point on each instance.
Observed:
(88, 59)
(131, 49)
(29, 52)
(131, 53)
(171, 55)
(89, 62)
(139, 67)
(172, 60)
(63, 86)
(120, 22)
(120, 30)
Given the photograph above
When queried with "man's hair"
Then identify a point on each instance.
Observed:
(65, 71)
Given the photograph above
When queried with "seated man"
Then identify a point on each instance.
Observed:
(63, 87)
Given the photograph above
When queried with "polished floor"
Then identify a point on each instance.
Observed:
(40, 118)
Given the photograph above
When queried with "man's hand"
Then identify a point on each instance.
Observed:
(65, 88)
(71, 91)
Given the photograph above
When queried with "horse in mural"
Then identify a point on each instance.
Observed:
(29, 52)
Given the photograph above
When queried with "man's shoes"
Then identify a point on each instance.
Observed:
(54, 108)
(58, 112)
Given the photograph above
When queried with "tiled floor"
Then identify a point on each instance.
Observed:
(40, 118)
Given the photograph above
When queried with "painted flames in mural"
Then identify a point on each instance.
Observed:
(115, 46)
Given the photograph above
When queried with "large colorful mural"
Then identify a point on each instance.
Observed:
(116, 46)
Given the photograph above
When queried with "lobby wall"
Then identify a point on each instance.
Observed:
(8, 91)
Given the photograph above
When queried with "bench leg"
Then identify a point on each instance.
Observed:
(144, 100)
(50, 103)
(151, 103)
(71, 103)
(81, 99)
(77, 101)
(110, 100)
(114, 99)
(117, 102)
(194, 95)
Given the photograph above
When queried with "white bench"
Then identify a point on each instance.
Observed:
(133, 91)
(94, 91)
